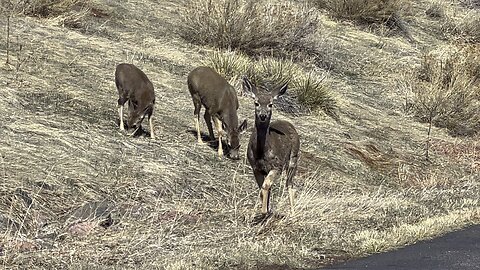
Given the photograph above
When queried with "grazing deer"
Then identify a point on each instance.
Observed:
(134, 86)
(273, 146)
(219, 98)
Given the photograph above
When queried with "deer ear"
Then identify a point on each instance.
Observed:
(243, 126)
(249, 88)
(281, 90)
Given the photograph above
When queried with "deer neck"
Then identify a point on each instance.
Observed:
(230, 118)
(262, 130)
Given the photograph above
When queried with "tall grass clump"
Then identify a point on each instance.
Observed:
(313, 92)
(253, 27)
(385, 12)
(447, 89)
(229, 64)
(308, 91)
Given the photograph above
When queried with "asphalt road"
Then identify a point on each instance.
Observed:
(456, 250)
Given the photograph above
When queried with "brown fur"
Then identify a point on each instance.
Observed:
(135, 87)
(219, 98)
(273, 146)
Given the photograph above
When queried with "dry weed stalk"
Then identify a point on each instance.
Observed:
(447, 91)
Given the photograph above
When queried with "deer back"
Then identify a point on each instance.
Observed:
(215, 93)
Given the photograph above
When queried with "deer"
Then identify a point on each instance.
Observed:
(273, 146)
(135, 87)
(210, 89)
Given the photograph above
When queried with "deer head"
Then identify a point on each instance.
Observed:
(137, 114)
(233, 137)
(263, 100)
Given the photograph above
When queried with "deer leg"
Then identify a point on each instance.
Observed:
(121, 103)
(291, 170)
(150, 121)
(196, 113)
(208, 120)
(197, 125)
(120, 114)
(259, 177)
(265, 192)
(218, 126)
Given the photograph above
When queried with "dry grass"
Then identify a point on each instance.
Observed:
(436, 10)
(469, 27)
(69, 13)
(173, 204)
(459, 26)
(253, 27)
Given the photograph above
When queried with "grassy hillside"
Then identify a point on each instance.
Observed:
(78, 193)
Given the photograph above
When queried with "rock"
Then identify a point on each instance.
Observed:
(24, 196)
(90, 216)
(82, 228)
(94, 210)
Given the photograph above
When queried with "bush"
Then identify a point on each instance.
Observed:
(253, 27)
(447, 91)
(365, 11)
(229, 64)
(471, 3)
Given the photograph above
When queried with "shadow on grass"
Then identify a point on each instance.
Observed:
(206, 139)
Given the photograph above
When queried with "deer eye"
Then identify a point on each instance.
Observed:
(257, 104)
(270, 105)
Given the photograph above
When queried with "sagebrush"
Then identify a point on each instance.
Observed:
(253, 27)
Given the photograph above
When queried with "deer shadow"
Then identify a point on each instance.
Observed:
(265, 218)
(206, 139)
